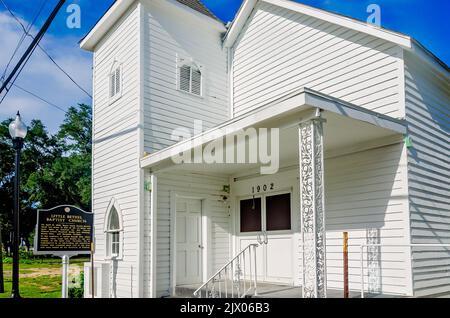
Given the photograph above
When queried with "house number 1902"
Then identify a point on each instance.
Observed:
(264, 187)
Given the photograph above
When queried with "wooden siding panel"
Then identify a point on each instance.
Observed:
(115, 159)
(428, 116)
(367, 192)
(280, 51)
(166, 37)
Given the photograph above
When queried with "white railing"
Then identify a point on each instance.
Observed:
(234, 279)
(361, 255)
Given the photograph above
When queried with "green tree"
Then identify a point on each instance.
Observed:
(68, 179)
(39, 151)
(55, 169)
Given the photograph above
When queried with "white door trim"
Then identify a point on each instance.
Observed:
(174, 195)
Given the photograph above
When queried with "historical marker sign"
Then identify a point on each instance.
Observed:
(64, 230)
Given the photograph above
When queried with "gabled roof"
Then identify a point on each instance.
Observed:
(400, 39)
(197, 5)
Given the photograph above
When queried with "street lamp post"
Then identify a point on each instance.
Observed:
(18, 132)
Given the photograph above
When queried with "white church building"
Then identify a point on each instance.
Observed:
(229, 158)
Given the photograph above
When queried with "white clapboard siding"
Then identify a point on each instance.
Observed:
(279, 51)
(428, 116)
(115, 148)
(368, 190)
(194, 185)
(171, 32)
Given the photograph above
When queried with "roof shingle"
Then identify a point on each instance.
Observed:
(197, 5)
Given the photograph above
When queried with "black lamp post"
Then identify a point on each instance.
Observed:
(18, 132)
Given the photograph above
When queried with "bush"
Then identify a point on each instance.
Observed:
(77, 292)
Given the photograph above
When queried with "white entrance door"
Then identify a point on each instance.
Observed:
(189, 241)
(268, 218)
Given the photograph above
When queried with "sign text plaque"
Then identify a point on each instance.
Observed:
(64, 230)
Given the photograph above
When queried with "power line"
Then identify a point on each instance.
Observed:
(62, 70)
(40, 98)
(26, 32)
(26, 56)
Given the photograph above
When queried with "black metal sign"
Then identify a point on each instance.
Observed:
(64, 230)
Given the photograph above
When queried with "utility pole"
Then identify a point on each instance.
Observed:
(23, 60)
(2, 283)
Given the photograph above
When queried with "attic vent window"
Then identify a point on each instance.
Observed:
(115, 82)
(189, 78)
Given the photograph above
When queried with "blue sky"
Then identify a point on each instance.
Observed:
(425, 20)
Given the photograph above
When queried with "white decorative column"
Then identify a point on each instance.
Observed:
(312, 208)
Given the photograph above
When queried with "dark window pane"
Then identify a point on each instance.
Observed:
(114, 223)
(251, 215)
(278, 212)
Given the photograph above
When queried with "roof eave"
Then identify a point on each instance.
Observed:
(116, 11)
(104, 24)
(248, 6)
(217, 24)
(303, 98)
(426, 55)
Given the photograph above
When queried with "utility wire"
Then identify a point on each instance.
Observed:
(40, 98)
(62, 70)
(26, 32)
(17, 75)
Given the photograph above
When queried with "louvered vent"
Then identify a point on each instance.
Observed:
(190, 79)
(196, 82)
(115, 82)
(185, 78)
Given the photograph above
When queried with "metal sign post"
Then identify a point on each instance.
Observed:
(2, 283)
(65, 276)
(92, 271)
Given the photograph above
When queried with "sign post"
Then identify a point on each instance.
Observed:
(92, 271)
(65, 276)
(64, 231)
(345, 256)
(2, 283)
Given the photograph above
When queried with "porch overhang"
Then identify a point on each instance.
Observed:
(348, 126)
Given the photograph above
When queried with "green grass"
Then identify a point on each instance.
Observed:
(39, 286)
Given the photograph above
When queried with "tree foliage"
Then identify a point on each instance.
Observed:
(55, 169)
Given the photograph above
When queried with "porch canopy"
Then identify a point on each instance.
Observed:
(348, 128)
(311, 126)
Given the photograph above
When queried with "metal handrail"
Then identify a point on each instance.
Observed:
(361, 255)
(228, 269)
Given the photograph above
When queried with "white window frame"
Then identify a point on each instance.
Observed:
(185, 61)
(109, 233)
(116, 66)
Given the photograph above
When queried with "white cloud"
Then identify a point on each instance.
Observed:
(42, 77)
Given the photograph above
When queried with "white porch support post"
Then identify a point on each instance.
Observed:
(312, 207)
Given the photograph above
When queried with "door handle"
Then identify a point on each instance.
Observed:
(200, 246)
(258, 238)
(263, 240)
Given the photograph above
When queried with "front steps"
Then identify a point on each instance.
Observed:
(266, 290)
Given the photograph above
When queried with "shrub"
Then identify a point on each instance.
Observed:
(77, 292)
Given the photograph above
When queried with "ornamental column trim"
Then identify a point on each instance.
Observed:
(312, 208)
